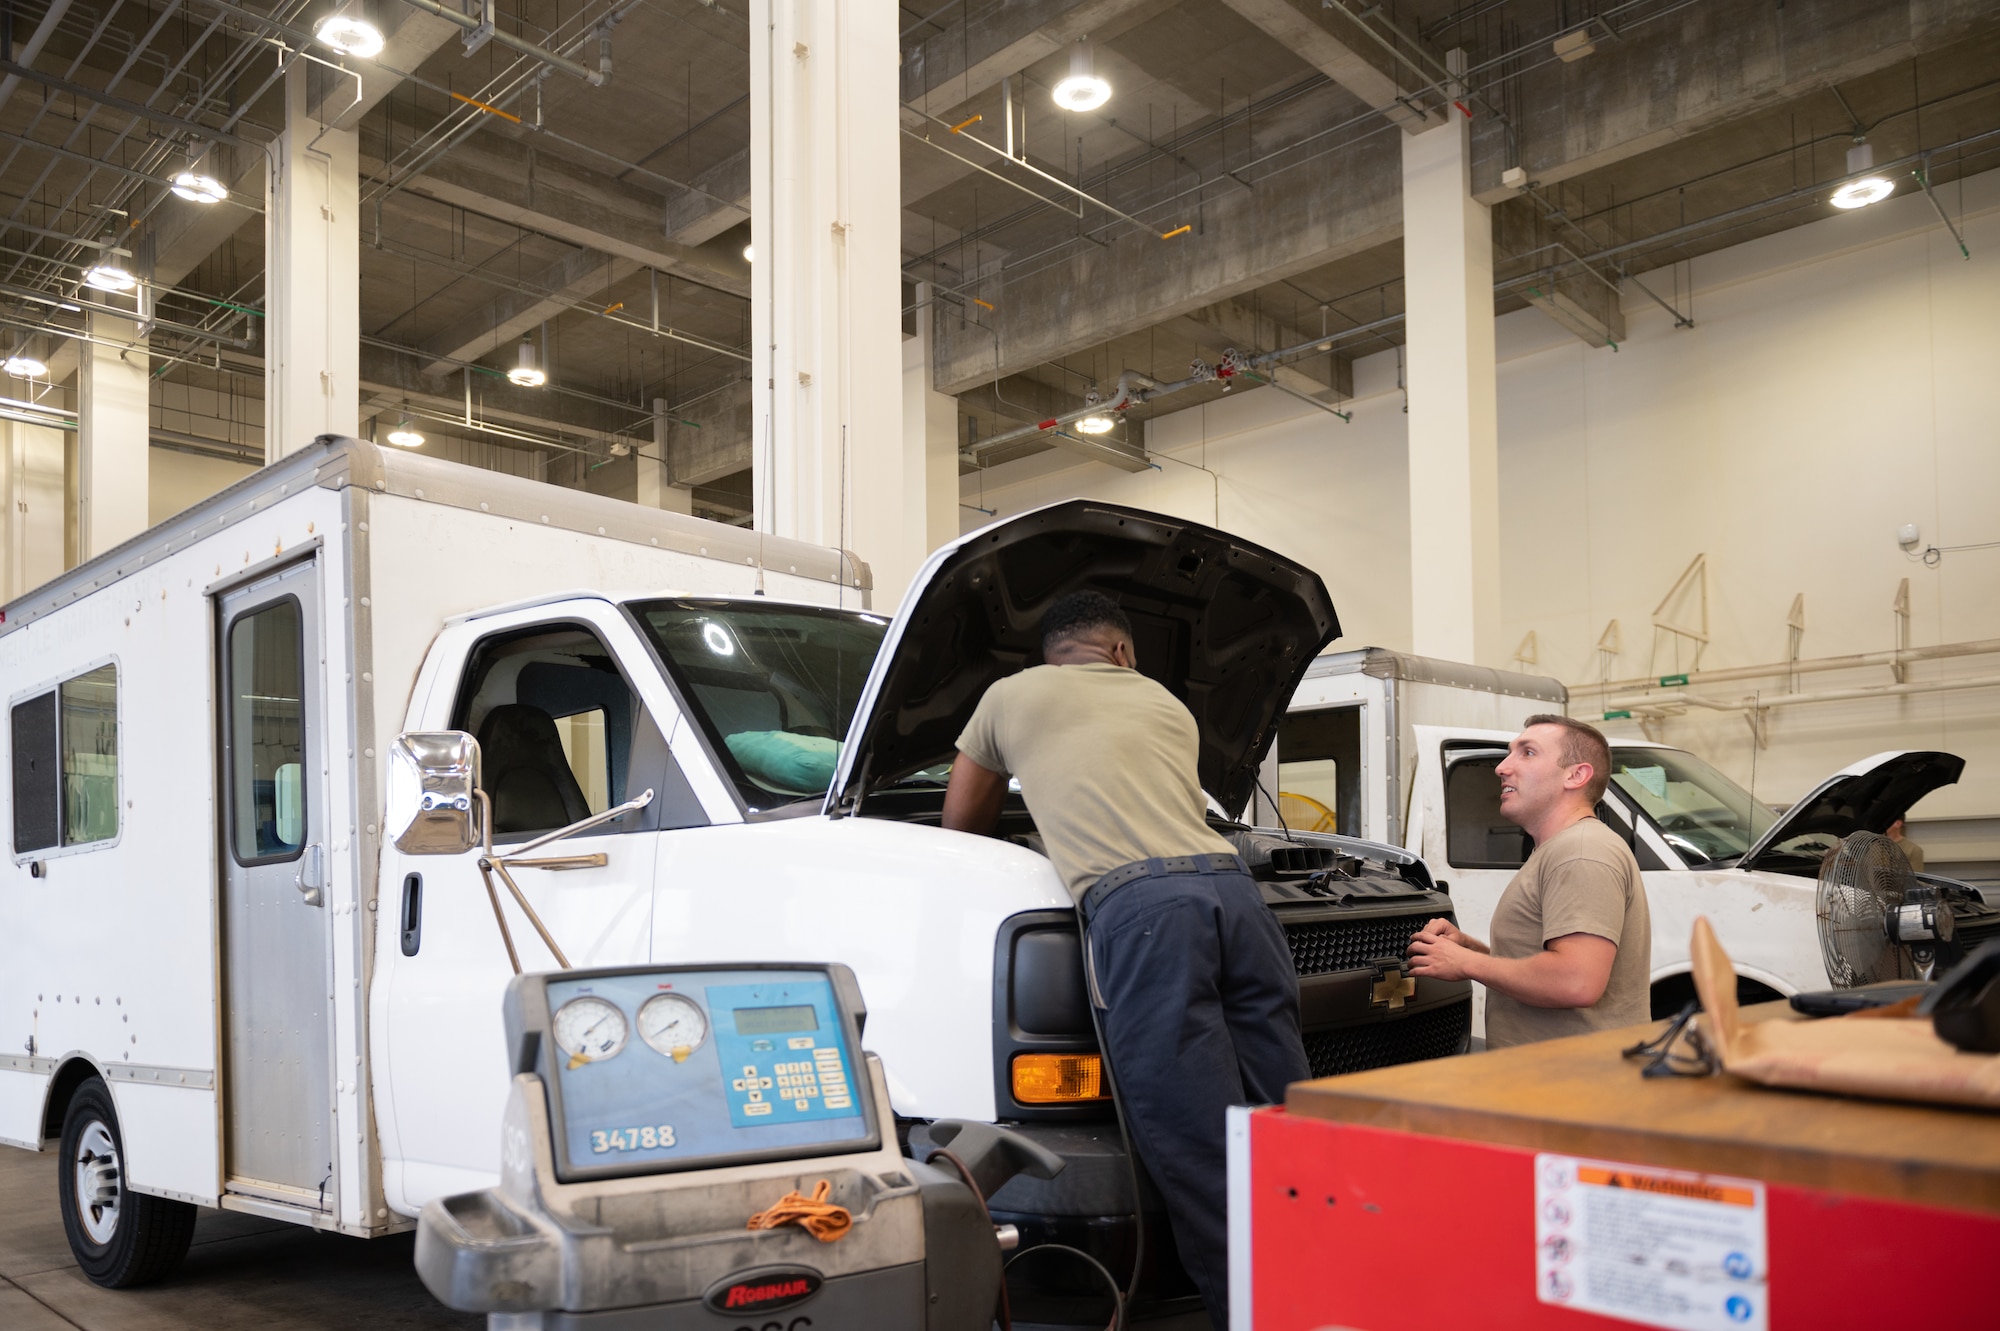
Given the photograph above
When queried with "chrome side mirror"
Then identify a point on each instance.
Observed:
(433, 804)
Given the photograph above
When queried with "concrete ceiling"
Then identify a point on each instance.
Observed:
(1269, 129)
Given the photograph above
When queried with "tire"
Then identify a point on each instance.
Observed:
(119, 1237)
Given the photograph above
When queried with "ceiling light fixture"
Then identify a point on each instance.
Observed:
(349, 35)
(527, 372)
(23, 366)
(1082, 90)
(1099, 421)
(1861, 192)
(403, 436)
(199, 189)
(748, 257)
(109, 277)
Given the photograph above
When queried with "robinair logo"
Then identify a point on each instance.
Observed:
(764, 1290)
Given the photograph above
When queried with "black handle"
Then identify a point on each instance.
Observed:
(413, 913)
(992, 1154)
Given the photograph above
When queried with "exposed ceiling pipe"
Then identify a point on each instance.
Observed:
(596, 78)
(1902, 656)
(43, 31)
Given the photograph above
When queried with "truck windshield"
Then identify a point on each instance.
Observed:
(1706, 816)
(774, 686)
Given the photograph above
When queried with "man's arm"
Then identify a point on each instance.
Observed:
(1570, 971)
(972, 800)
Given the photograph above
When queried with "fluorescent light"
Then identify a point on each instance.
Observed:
(1860, 193)
(199, 189)
(527, 373)
(1082, 90)
(349, 35)
(109, 277)
(25, 367)
(748, 257)
(405, 437)
(1097, 424)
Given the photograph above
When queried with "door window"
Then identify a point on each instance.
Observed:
(65, 745)
(1476, 835)
(267, 734)
(563, 735)
(1319, 770)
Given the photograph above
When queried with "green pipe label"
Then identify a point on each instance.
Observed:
(1617, 716)
(1672, 681)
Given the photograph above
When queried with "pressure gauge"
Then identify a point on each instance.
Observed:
(673, 1025)
(589, 1030)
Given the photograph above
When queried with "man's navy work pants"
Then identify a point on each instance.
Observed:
(1200, 1006)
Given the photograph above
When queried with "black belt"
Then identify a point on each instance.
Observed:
(1096, 894)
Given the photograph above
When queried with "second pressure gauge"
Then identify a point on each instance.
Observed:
(590, 1030)
(673, 1025)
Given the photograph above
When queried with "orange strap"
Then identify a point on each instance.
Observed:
(818, 1216)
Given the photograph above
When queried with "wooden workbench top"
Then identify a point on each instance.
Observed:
(1578, 1097)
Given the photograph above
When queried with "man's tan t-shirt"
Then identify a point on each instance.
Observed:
(1583, 881)
(1107, 763)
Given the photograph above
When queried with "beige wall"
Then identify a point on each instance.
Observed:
(1840, 381)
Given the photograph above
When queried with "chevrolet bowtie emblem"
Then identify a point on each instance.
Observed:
(1393, 988)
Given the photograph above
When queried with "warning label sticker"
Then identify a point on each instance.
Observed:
(1653, 1246)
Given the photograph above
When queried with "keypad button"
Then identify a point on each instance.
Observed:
(839, 1102)
(800, 1042)
(755, 1110)
(799, 1105)
(756, 1096)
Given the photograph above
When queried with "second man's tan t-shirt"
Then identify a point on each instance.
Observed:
(1107, 763)
(1583, 881)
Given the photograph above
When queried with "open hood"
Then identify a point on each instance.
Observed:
(1864, 797)
(1228, 627)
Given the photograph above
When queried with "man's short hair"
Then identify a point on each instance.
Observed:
(1581, 743)
(1079, 613)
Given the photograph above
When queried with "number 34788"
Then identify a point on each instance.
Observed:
(632, 1139)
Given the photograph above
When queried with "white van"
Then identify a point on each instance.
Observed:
(221, 984)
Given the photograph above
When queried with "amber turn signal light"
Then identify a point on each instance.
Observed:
(1058, 1079)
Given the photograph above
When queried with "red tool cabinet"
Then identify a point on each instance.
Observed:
(1550, 1186)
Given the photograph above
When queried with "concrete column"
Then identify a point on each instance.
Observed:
(930, 439)
(1454, 433)
(312, 280)
(114, 419)
(31, 490)
(656, 471)
(826, 286)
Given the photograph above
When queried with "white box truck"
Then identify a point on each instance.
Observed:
(221, 983)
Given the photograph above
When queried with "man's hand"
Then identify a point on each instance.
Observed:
(1441, 952)
(972, 799)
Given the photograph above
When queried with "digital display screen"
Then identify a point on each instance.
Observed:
(771, 1020)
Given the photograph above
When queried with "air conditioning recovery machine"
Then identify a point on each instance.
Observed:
(654, 1109)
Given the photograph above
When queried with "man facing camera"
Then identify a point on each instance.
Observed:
(1572, 941)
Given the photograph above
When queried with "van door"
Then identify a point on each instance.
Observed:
(563, 734)
(276, 1018)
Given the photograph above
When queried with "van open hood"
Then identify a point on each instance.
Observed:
(1864, 797)
(1228, 627)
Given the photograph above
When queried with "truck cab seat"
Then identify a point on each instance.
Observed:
(526, 773)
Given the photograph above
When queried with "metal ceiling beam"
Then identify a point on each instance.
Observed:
(576, 277)
(131, 108)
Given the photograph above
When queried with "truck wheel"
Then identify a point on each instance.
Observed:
(119, 1237)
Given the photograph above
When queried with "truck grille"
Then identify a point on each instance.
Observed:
(1435, 1034)
(1323, 947)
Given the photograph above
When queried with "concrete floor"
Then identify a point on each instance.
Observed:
(242, 1273)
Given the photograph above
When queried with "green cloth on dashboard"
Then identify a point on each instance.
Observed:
(787, 763)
